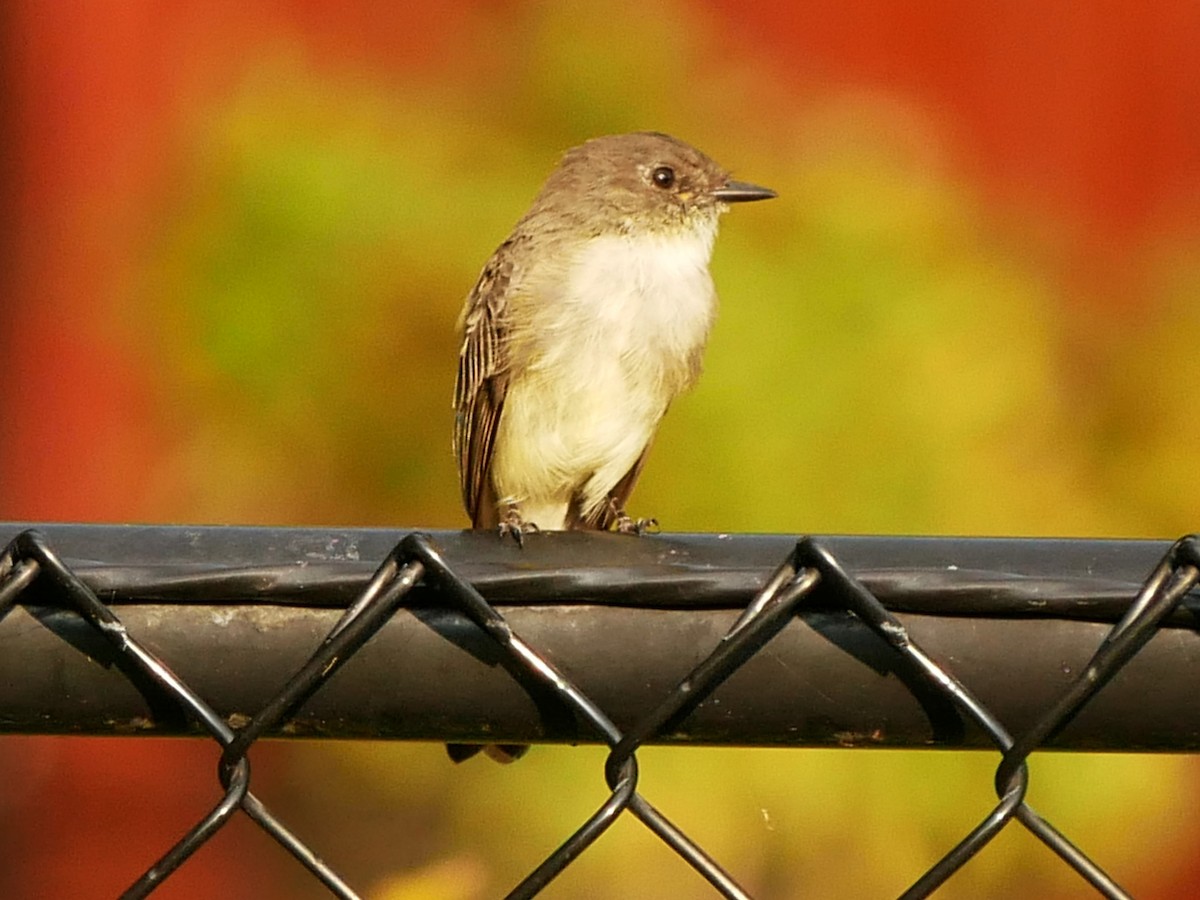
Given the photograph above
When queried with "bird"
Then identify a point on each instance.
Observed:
(583, 326)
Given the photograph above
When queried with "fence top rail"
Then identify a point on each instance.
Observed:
(326, 567)
(103, 624)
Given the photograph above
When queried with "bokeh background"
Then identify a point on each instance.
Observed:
(235, 240)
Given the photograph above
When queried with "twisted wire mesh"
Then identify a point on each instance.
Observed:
(810, 573)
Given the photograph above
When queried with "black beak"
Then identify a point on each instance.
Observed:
(742, 192)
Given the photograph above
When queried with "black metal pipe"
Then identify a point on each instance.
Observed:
(236, 611)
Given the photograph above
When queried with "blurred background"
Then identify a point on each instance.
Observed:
(235, 240)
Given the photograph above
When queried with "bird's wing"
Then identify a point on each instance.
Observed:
(481, 385)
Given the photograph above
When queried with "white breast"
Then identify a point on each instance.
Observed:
(652, 294)
(612, 350)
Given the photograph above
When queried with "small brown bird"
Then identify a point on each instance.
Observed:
(582, 328)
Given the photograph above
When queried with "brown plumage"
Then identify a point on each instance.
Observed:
(583, 326)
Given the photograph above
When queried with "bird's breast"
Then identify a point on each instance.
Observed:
(611, 333)
(644, 303)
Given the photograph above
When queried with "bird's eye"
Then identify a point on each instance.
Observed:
(663, 176)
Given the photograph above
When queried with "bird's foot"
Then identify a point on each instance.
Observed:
(625, 524)
(513, 524)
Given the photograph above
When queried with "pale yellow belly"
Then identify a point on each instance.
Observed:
(567, 437)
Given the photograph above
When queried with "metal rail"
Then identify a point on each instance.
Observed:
(244, 633)
(236, 611)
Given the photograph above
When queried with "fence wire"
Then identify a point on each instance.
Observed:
(35, 576)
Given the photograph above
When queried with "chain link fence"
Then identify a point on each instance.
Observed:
(569, 659)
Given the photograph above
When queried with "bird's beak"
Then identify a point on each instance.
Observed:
(742, 192)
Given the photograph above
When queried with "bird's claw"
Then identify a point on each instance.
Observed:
(638, 526)
(513, 524)
(627, 525)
